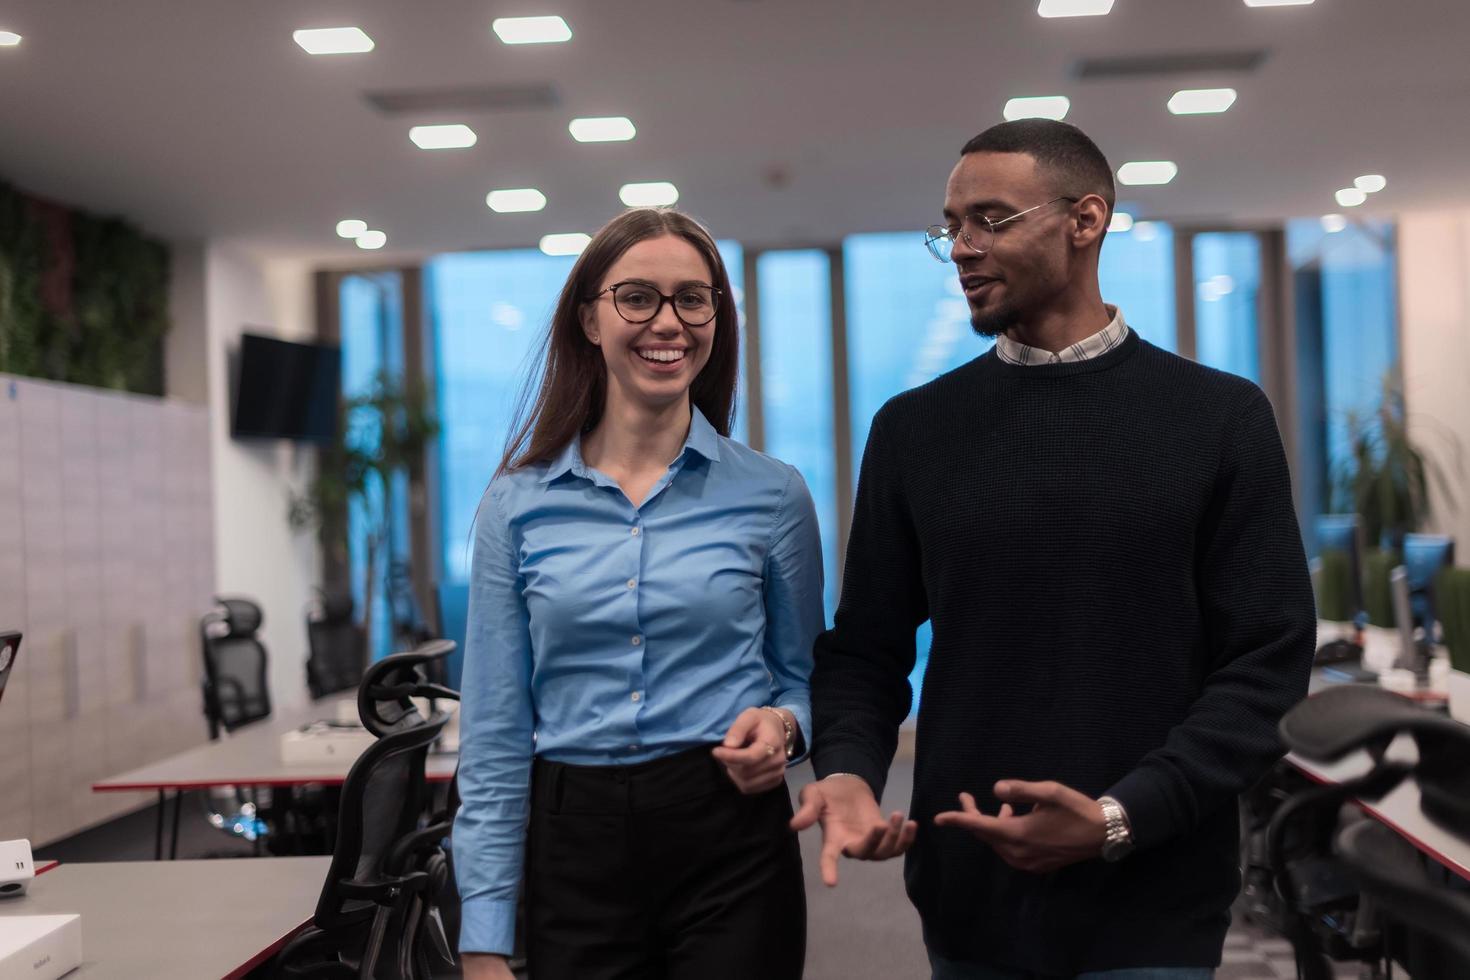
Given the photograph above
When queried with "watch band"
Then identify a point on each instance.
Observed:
(1118, 842)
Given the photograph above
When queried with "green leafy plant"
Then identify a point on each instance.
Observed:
(1452, 604)
(382, 435)
(1386, 478)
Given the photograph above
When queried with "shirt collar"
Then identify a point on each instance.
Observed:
(702, 439)
(1014, 352)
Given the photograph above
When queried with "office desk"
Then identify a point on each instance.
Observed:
(251, 756)
(186, 920)
(1398, 810)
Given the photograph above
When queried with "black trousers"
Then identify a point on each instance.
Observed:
(660, 871)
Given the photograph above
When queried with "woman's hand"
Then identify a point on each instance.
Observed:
(754, 751)
(486, 966)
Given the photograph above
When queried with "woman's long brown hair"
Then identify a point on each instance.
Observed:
(569, 397)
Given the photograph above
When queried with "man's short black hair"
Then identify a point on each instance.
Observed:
(1072, 158)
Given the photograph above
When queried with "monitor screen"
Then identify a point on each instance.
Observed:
(9, 647)
(287, 390)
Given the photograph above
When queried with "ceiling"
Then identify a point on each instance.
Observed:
(779, 120)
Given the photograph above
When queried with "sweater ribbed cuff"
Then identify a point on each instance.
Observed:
(828, 759)
(1150, 816)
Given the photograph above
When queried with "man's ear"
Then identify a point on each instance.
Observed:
(1092, 216)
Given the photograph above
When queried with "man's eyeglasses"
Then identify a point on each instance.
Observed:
(977, 230)
(638, 302)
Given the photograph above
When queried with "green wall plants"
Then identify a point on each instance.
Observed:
(83, 299)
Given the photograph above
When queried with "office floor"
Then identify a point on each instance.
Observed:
(863, 928)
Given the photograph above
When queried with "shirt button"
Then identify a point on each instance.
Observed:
(632, 583)
(636, 531)
(637, 641)
(637, 696)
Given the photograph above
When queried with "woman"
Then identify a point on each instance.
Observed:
(644, 594)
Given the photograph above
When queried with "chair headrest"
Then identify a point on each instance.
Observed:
(336, 607)
(383, 700)
(241, 617)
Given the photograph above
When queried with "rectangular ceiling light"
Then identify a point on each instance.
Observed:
(1144, 172)
(453, 136)
(9, 39)
(1277, 3)
(515, 200)
(1038, 107)
(1074, 8)
(531, 30)
(656, 194)
(602, 129)
(1122, 221)
(334, 40)
(1200, 101)
(568, 244)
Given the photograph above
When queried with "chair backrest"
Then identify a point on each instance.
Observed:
(1388, 866)
(336, 644)
(236, 691)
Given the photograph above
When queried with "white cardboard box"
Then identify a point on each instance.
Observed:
(320, 743)
(39, 947)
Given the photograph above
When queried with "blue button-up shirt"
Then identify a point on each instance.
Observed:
(601, 633)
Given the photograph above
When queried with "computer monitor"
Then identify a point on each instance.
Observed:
(1425, 555)
(9, 647)
(1341, 535)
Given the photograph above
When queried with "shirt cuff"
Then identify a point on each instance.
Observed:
(802, 712)
(487, 925)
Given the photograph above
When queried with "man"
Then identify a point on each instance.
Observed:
(1102, 536)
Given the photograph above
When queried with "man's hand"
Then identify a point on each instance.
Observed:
(754, 751)
(851, 822)
(1063, 827)
(485, 966)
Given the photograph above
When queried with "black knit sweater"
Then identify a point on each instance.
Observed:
(1109, 556)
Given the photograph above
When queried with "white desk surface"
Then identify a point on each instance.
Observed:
(178, 920)
(1399, 810)
(251, 756)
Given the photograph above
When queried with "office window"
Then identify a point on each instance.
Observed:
(372, 346)
(1136, 272)
(1345, 291)
(796, 382)
(1227, 281)
(488, 313)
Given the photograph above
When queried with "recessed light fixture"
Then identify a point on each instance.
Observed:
(452, 136)
(566, 244)
(1333, 223)
(1122, 221)
(372, 239)
(602, 129)
(351, 227)
(1371, 183)
(531, 30)
(9, 39)
(657, 194)
(1038, 107)
(1074, 8)
(515, 200)
(1278, 3)
(334, 40)
(1148, 172)
(1351, 197)
(1200, 101)
(1145, 231)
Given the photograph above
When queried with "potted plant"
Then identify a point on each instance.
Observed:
(381, 436)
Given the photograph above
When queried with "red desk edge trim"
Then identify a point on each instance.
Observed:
(46, 866)
(261, 957)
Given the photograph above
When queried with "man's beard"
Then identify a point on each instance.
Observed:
(995, 322)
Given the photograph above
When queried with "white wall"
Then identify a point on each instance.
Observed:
(221, 292)
(1434, 306)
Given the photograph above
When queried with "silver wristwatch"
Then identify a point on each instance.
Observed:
(1118, 843)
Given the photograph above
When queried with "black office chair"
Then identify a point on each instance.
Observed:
(337, 646)
(374, 915)
(235, 688)
(1314, 884)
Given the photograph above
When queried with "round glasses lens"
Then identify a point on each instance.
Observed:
(695, 305)
(636, 302)
(938, 242)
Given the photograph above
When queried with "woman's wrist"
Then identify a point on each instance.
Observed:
(790, 726)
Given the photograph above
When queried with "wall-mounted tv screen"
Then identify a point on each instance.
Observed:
(286, 390)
